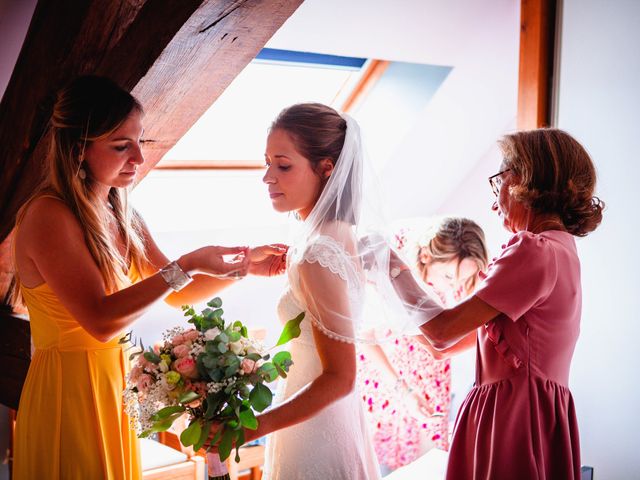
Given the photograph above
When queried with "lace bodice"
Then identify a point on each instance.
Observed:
(332, 255)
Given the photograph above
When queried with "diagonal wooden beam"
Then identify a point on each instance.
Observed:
(176, 56)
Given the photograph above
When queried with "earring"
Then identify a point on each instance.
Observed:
(82, 173)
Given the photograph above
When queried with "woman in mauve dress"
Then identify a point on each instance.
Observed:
(519, 420)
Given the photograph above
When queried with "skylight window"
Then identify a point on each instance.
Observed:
(233, 130)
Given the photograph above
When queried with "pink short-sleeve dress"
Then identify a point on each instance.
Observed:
(519, 421)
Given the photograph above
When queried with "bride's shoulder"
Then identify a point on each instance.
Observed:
(337, 235)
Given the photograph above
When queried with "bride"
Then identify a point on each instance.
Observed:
(314, 169)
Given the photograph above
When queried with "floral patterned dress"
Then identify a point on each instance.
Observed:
(399, 437)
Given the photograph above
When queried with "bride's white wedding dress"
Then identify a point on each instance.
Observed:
(334, 444)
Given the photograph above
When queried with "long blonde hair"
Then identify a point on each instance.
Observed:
(88, 109)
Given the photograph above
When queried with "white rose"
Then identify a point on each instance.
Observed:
(212, 333)
(164, 368)
(236, 347)
(251, 349)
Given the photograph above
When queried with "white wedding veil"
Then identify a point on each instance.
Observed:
(339, 256)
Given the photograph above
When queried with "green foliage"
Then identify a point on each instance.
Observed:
(167, 412)
(188, 397)
(204, 434)
(191, 434)
(291, 330)
(260, 397)
(268, 372)
(248, 419)
(151, 356)
(232, 408)
(226, 443)
(215, 302)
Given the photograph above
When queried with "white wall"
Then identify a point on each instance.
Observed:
(599, 103)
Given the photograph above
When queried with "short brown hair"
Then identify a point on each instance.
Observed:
(556, 176)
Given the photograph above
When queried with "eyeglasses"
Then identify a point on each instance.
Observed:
(496, 180)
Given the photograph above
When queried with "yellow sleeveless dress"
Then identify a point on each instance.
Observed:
(71, 423)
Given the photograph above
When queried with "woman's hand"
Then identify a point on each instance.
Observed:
(416, 405)
(268, 260)
(220, 262)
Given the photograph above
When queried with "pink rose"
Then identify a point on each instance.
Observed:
(181, 351)
(247, 366)
(186, 366)
(147, 365)
(191, 335)
(135, 373)
(144, 383)
(156, 348)
(178, 340)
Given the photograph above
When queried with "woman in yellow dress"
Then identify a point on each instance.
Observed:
(87, 268)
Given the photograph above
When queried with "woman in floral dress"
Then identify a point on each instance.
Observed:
(406, 389)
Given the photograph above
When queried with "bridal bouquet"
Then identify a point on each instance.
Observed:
(213, 372)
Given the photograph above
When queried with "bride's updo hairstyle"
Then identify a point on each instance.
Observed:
(556, 175)
(318, 132)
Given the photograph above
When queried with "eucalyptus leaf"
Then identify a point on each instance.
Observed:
(260, 397)
(191, 434)
(232, 370)
(204, 434)
(188, 397)
(248, 419)
(291, 330)
(209, 361)
(215, 302)
(216, 374)
(152, 357)
(239, 443)
(268, 371)
(226, 443)
(164, 424)
(167, 411)
(280, 370)
(281, 357)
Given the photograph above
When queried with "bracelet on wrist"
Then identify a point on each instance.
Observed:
(175, 277)
(395, 271)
